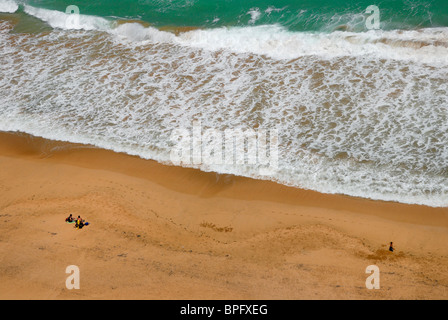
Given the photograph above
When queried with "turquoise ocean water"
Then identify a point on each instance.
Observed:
(308, 15)
(359, 112)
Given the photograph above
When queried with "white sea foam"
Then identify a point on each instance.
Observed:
(420, 46)
(62, 20)
(255, 14)
(424, 46)
(427, 46)
(271, 9)
(8, 6)
(369, 125)
(137, 32)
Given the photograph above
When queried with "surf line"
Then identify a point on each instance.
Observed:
(197, 310)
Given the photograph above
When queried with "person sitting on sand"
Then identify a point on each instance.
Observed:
(79, 223)
(69, 218)
(391, 247)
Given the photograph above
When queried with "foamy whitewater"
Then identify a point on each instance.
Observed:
(358, 113)
(8, 6)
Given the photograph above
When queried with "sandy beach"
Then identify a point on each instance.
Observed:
(164, 232)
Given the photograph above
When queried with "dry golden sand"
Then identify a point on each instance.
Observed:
(161, 232)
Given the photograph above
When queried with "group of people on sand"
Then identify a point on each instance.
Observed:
(79, 223)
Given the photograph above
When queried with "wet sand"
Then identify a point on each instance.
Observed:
(165, 232)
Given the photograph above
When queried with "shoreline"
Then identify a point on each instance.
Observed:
(204, 235)
(208, 184)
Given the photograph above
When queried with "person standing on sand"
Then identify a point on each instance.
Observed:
(391, 247)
